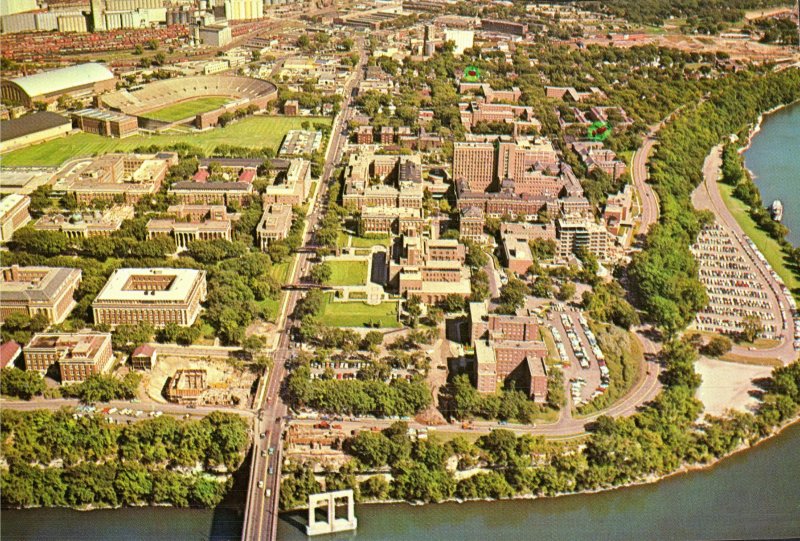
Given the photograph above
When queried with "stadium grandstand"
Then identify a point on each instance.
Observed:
(155, 97)
(78, 81)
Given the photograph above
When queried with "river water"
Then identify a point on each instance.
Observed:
(755, 494)
(773, 160)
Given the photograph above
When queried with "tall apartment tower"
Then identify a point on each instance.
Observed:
(475, 163)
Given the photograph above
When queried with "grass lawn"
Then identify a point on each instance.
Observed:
(766, 244)
(188, 108)
(254, 132)
(343, 240)
(270, 307)
(358, 314)
(207, 334)
(280, 271)
(348, 273)
(364, 242)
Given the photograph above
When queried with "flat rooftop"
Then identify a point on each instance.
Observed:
(74, 345)
(150, 285)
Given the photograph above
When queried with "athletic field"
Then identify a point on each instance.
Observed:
(186, 109)
(254, 132)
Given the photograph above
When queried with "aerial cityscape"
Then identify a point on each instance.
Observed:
(399, 269)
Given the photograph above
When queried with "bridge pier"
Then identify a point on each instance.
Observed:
(333, 524)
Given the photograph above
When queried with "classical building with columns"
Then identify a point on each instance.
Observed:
(192, 222)
(86, 224)
(156, 295)
(38, 290)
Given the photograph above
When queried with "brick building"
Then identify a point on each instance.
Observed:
(212, 193)
(391, 220)
(78, 355)
(479, 112)
(595, 156)
(108, 123)
(498, 204)
(471, 223)
(485, 165)
(364, 135)
(500, 326)
(156, 295)
(429, 268)
(13, 215)
(507, 347)
(144, 357)
(373, 180)
(291, 108)
(274, 225)
(117, 177)
(38, 290)
(292, 186)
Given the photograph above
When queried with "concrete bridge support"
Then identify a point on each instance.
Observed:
(333, 524)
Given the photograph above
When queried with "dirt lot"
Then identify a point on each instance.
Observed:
(728, 385)
(226, 384)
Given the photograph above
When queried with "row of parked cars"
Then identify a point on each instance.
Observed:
(577, 346)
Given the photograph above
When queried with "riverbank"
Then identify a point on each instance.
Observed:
(756, 127)
(774, 172)
(747, 496)
(685, 469)
(768, 246)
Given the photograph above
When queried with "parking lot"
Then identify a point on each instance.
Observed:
(580, 356)
(735, 289)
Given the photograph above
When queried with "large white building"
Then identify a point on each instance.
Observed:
(155, 295)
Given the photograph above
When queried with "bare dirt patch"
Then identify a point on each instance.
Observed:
(728, 385)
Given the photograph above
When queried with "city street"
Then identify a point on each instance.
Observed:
(261, 511)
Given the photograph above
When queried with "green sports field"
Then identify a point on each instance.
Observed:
(188, 108)
(254, 132)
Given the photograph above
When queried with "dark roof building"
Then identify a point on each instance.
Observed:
(33, 128)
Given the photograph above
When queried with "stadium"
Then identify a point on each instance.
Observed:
(199, 100)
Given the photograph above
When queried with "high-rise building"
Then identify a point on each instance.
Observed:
(474, 162)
